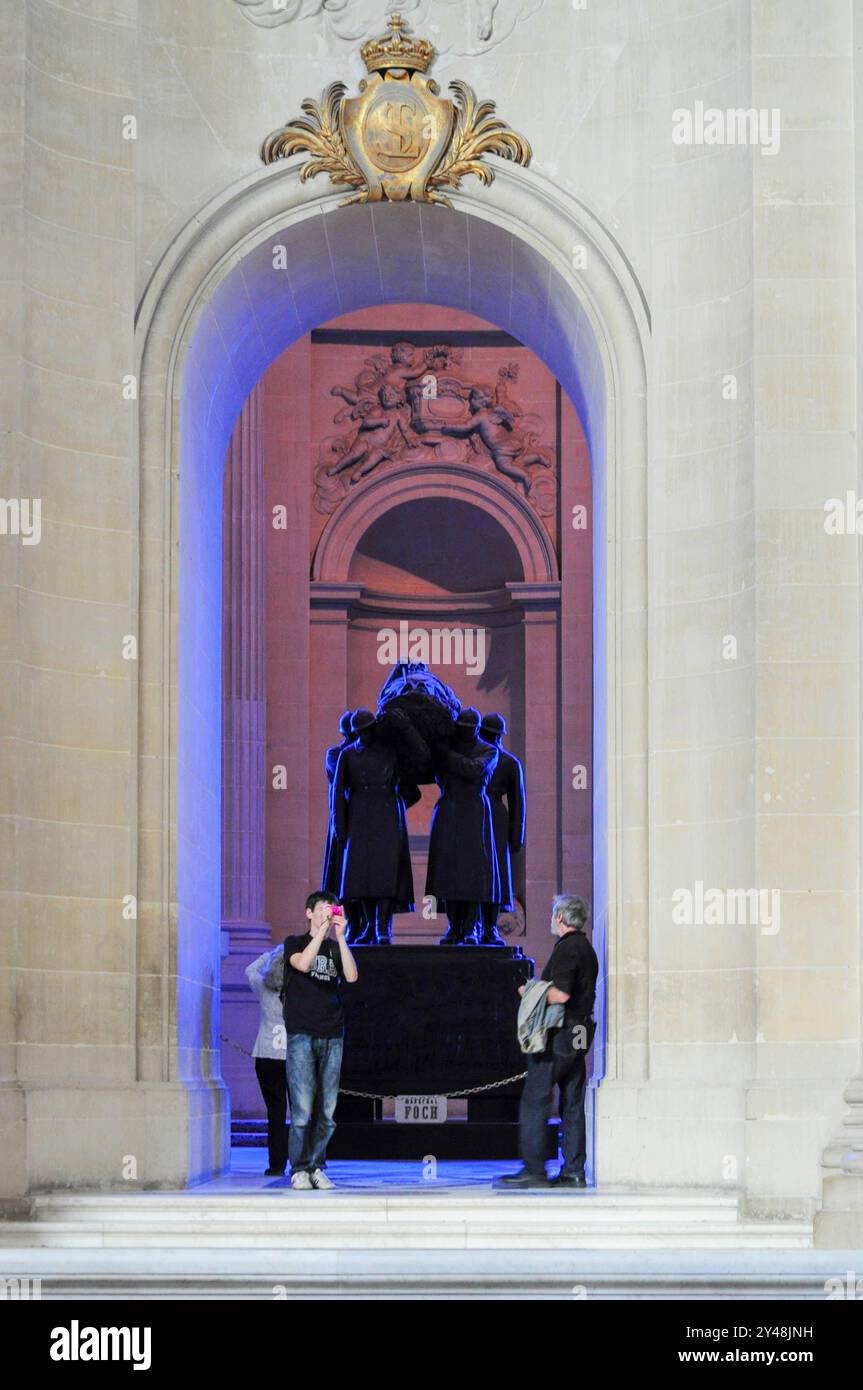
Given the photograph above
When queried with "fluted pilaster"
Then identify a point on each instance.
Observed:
(244, 724)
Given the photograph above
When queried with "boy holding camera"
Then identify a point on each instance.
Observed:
(315, 964)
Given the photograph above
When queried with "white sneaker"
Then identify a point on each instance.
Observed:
(301, 1181)
(321, 1181)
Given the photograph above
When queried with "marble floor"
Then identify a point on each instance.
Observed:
(247, 1175)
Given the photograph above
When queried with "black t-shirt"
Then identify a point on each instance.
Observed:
(312, 1002)
(573, 968)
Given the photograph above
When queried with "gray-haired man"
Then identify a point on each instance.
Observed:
(572, 969)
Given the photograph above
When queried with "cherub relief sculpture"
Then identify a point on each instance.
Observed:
(381, 434)
(494, 425)
(407, 364)
(419, 405)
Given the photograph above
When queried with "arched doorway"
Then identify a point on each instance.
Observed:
(215, 314)
(435, 554)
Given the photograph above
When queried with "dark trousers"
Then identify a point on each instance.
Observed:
(273, 1082)
(568, 1072)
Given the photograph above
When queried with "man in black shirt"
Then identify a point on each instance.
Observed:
(572, 969)
(315, 964)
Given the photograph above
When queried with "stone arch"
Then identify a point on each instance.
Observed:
(216, 311)
(342, 533)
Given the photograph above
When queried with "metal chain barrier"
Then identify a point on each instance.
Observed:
(451, 1095)
(385, 1095)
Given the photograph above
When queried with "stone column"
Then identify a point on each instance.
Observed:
(807, 627)
(839, 1223)
(246, 933)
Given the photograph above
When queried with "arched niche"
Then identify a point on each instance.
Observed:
(264, 262)
(401, 486)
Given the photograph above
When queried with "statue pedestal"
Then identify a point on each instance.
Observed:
(433, 1020)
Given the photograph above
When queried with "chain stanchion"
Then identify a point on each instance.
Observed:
(386, 1095)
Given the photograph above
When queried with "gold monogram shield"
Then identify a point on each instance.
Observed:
(398, 139)
(396, 131)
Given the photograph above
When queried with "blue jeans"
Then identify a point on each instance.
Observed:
(313, 1066)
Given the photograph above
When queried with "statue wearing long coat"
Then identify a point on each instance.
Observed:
(507, 780)
(331, 876)
(370, 822)
(462, 863)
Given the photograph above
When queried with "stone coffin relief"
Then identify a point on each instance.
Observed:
(463, 27)
(417, 406)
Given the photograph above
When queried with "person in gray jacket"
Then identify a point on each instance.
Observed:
(269, 1054)
(570, 972)
(537, 1016)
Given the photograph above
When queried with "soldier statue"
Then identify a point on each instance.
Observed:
(507, 781)
(331, 875)
(370, 824)
(462, 864)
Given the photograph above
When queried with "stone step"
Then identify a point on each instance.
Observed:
(545, 1209)
(424, 1274)
(421, 1274)
(353, 1221)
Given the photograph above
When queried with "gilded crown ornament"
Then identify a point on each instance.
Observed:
(399, 138)
(397, 50)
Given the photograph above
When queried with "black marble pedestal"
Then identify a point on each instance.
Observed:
(432, 1020)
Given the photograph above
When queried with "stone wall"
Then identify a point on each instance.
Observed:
(730, 1053)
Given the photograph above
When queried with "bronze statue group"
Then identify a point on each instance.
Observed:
(420, 734)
